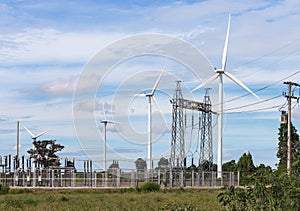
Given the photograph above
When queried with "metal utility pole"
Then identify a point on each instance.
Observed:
(17, 147)
(289, 97)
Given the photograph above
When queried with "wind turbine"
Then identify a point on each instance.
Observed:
(34, 137)
(150, 96)
(219, 74)
(105, 122)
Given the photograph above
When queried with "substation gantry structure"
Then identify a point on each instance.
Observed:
(178, 155)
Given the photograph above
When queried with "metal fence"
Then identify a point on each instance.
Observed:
(115, 178)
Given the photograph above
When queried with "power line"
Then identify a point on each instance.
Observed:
(297, 103)
(251, 104)
(267, 54)
(265, 87)
(255, 110)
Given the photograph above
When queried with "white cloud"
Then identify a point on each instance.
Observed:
(50, 45)
(60, 86)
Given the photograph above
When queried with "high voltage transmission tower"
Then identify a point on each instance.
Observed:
(289, 97)
(177, 142)
(178, 155)
(206, 147)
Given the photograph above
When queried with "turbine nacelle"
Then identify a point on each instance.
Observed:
(105, 120)
(220, 71)
(108, 121)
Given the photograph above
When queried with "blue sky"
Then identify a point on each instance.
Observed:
(45, 46)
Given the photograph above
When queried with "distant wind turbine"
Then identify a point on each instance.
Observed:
(150, 96)
(219, 74)
(105, 122)
(34, 137)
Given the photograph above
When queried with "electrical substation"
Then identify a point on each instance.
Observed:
(21, 171)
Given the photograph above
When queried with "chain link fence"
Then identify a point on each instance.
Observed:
(116, 178)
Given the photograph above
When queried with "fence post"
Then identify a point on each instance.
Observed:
(16, 178)
(34, 177)
(193, 183)
(137, 178)
(222, 179)
(105, 179)
(95, 179)
(72, 178)
(181, 179)
(171, 178)
(132, 179)
(118, 178)
(158, 176)
(214, 181)
(145, 175)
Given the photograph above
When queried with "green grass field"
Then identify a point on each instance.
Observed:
(129, 199)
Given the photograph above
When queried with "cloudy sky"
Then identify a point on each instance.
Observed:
(47, 47)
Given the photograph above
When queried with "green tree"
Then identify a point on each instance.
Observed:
(262, 172)
(140, 165)
(279, 193)
(229, 166)
(245, 163)
(44, 153)
(282, 149)
(246, 168)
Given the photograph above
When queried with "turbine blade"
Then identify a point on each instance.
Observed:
(206, 82)
(30, 133)
(40, 134)
(139, 95)
(160, 111)
(241, 84)
(158, 80)
(104, 112)
(224, 57)
(112, 122)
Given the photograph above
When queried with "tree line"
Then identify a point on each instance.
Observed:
(264, 188)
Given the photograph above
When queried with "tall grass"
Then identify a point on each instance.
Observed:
(131, 199)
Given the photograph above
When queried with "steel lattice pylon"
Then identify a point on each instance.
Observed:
(177, 143)
(178, 156)
(206, 146)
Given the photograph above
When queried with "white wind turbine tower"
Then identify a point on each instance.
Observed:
(219, 74)
(150, 97)
(105, 122)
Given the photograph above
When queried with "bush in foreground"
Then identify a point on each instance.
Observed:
(4, 189)
(149, 187)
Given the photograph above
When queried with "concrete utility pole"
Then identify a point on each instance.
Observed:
(289, 97)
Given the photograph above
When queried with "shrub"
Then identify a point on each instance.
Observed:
(64, 198)
(4, 189)
(149, 187)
